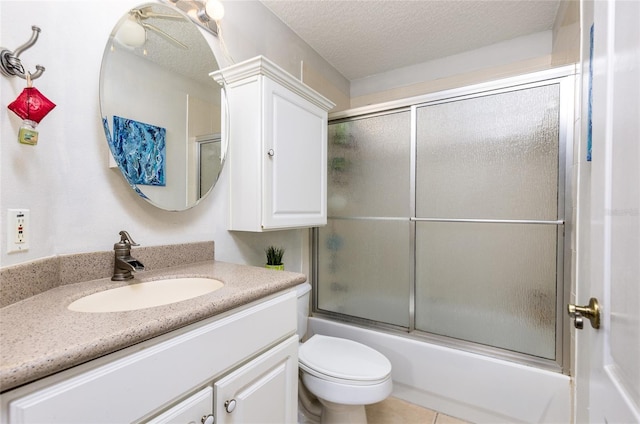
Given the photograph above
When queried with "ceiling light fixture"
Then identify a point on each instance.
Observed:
(205, 13)
(131, 33)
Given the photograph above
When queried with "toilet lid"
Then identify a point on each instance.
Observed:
(343, 359)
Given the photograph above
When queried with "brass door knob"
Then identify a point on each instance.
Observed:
(591, 312)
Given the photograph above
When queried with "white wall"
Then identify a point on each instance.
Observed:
(505, 53)
(77, 203)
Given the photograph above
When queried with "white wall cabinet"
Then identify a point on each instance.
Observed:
(277, 152)
(249, 355)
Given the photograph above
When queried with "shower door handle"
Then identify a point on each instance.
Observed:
(590, 311)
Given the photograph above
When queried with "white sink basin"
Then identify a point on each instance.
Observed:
(145, 295)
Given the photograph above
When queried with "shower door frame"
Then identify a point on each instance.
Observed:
(565, 77)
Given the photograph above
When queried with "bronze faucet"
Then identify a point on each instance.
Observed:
(124, 264)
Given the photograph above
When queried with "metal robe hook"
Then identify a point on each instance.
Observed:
(10, 64)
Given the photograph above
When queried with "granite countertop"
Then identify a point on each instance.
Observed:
(40, 336)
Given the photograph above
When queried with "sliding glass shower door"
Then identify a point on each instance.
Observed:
(487, 219)
(365, 251)
(446, 219)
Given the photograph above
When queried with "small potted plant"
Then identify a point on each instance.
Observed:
(274, 257)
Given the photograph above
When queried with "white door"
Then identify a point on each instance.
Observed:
(608, 365)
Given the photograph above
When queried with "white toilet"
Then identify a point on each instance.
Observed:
(342, 374)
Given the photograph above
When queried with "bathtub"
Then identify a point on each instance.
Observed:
(469, 386)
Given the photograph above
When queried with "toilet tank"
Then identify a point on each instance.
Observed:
(303, 292)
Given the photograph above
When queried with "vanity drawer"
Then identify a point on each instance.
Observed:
(156, 374)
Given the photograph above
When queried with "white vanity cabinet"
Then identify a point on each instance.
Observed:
(247, 358)
(277, 152)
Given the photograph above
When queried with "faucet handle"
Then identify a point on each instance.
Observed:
(126, 238)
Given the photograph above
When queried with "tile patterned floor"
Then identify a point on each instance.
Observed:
(395, 411)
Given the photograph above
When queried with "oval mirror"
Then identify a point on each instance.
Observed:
(160, 109)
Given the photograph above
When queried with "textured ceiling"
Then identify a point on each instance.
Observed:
(367, 37)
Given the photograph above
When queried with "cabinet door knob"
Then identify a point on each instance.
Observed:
(271, 153)
(230, 405)
(208, 419)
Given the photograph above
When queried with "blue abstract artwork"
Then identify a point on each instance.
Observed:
(107, 133)
(140, 151)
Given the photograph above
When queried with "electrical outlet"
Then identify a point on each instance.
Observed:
(17, 230)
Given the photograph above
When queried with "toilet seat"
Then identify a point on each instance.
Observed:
(343, 361)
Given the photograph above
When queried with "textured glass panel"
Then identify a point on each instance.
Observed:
(364, 269)
(369, 166)
(493, 284)
(490, 157)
